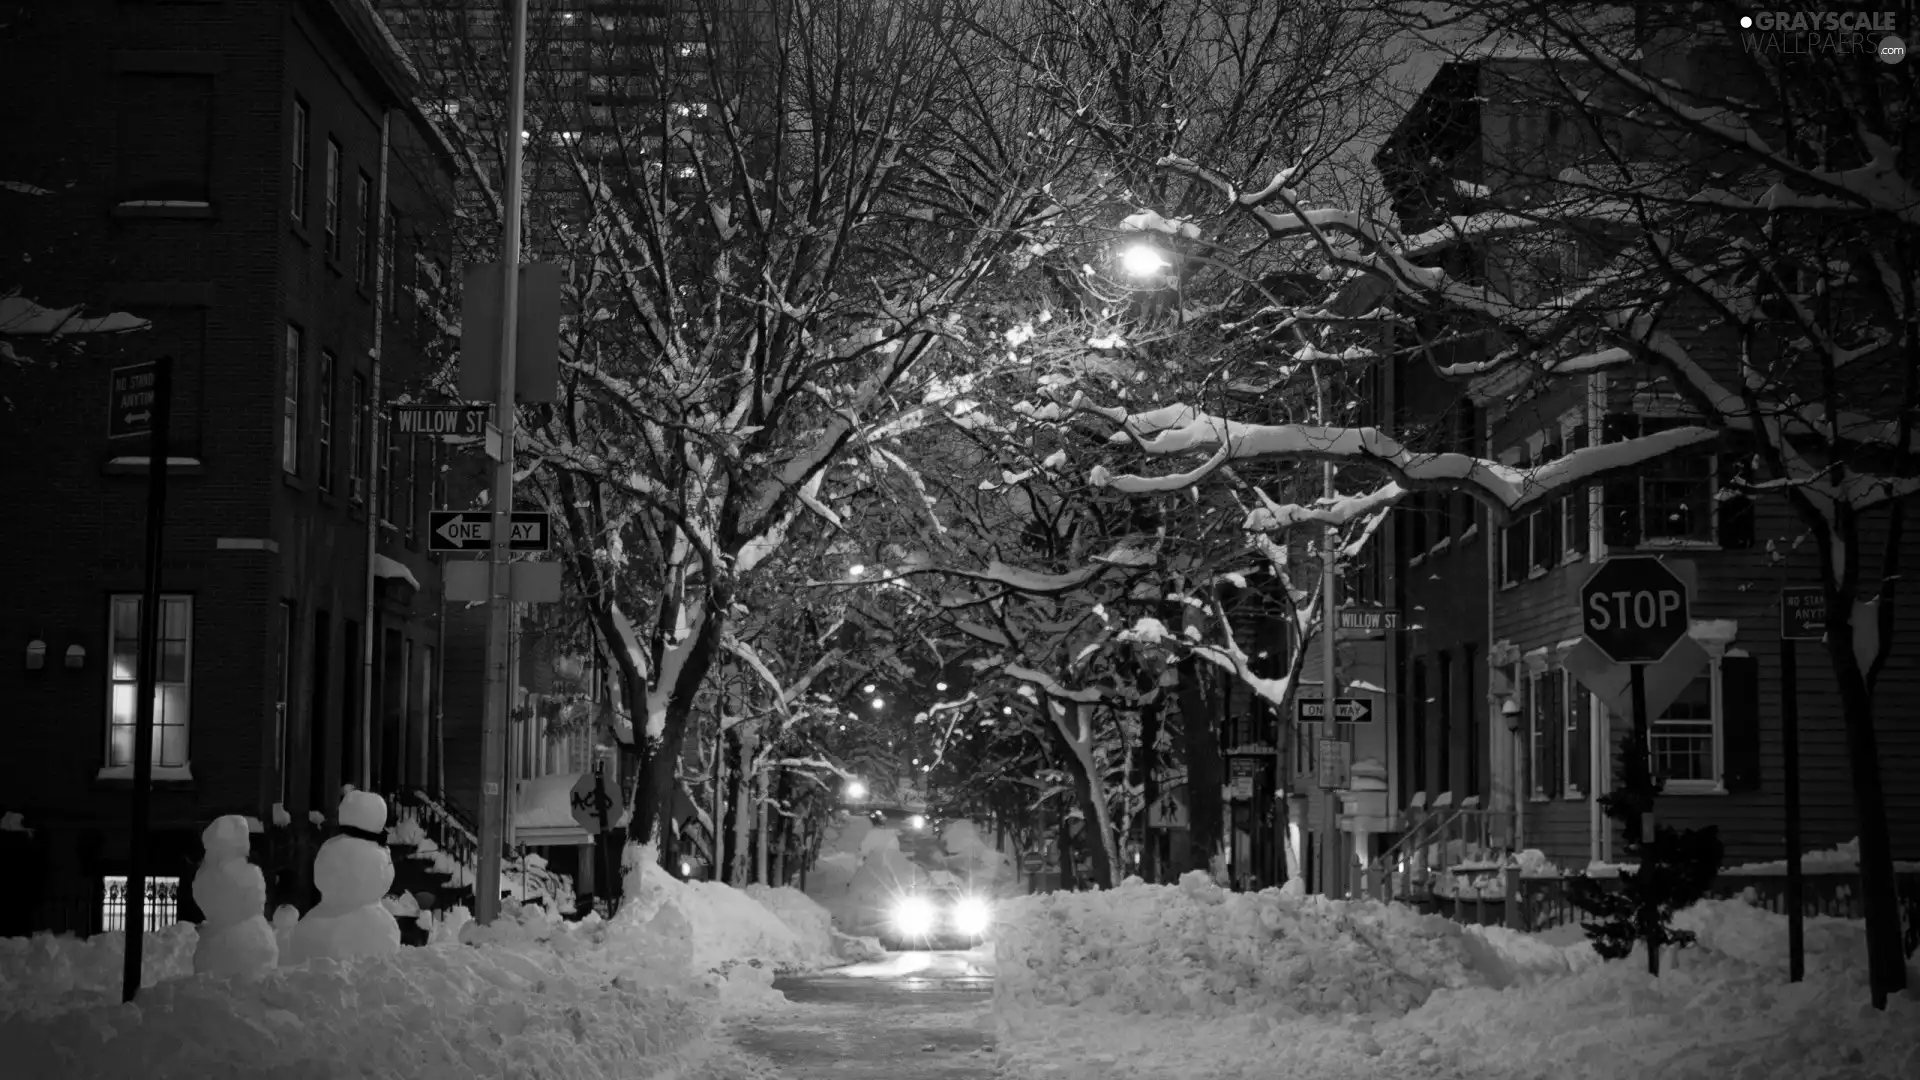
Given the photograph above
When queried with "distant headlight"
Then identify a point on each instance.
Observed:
(914, 916)
(972, 916)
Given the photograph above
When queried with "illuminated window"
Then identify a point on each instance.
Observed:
(161, 907)
(171, 694)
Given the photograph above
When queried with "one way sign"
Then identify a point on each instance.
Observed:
(472, 530)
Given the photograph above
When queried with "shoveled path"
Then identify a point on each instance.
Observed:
(913, 1016)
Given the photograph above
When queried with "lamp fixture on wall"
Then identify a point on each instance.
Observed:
(1511, 710)
(36, 654)
(76, 657)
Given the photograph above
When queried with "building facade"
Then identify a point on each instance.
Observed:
(253, 179)
(1547, 748)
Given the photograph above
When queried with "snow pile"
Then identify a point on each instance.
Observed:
(1145, 982)
(811, 924)
(722, 925)
(1839, 859)
(45, 972)
(1196, 949)
(507, 1009)
(973, 858)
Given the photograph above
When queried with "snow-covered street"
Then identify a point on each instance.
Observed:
(922, 1015)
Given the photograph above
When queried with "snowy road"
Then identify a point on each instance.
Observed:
(922, 1015)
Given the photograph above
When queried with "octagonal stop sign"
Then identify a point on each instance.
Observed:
(1634, 609)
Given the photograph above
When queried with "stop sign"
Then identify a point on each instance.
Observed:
(1634, 609)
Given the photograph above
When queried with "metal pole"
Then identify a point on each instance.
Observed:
(499, 681)
(1790, 760)
(1638, 689)
(1329, 619)
(362, 735)
(146, 675)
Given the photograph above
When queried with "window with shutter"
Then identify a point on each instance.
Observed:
(1676, 490)
(1682, 738)
(1740, 722)
(1573, 507)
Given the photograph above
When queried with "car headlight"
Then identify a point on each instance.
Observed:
(914, 916)
(972, 916)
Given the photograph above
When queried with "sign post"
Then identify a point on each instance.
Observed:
(1635, 610)
(147, 667)
(1803, 617)
(498, 684)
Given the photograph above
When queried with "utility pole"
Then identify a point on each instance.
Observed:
(1329, 620)
(499, 680)
(146, 675)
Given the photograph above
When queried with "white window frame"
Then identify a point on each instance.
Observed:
(323, 422)
(1716, 785)
(302, 138)
(1572, 694)
(361, 433)
(292, 368)
(330, 221)
(181, 770)
(1533, 666)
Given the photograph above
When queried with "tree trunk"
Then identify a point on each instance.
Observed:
(1886, 955)
(744, 734)
(1073, 728)
(1149, 759)
(1205, 813)
(1069, 879)
(660, 758)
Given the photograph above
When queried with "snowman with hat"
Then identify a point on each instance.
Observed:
(235, 939)
(353, 871)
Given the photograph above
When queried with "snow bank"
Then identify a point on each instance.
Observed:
(1196, 949)
(811, 924)
(508, 1007)
(1839, 859)
(1145, 981)
(721, 926)
(45, 971)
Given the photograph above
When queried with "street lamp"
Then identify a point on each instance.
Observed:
(879, 703)
(855, 791)
(856, 570)
(1143, 260)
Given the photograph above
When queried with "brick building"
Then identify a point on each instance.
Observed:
(252, 177)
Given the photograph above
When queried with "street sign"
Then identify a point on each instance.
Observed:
(1375, 619)
(536, 362)
(130, 402)
(595, 799)
(1032, 861)
(1335, 765)
(1346, 710)
(472, 530)
(1634, 608)
(1242, 772)
(1803, 614)
(1169, 811)
(466, 420)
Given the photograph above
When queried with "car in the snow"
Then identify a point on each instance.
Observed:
(944, 913)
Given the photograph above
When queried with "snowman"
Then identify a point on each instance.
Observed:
(353, 871)
(232, 893)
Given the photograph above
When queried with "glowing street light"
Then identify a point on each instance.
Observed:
(871, 688)
(879, 703)
(855, 791)
(856, 570)
(1143, 260)
(939, 686)
(916, 823)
